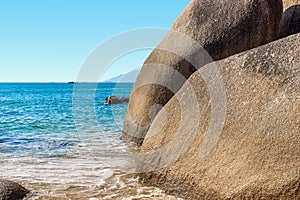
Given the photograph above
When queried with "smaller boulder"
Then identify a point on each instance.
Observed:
(10, 190)
(116, 100)
(290, 22)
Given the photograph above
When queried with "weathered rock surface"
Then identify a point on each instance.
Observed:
(11, 191)
(256, 155)
(289, 3)
(222, 28)
(290, 22)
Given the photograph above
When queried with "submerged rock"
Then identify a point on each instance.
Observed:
(11, 191)
(240, 139)
(290, 22)
(116, 100)
(222, 28)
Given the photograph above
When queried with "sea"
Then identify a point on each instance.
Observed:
(61, 141)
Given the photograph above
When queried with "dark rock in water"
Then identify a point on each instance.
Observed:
(235, 126)
(290, 22)
(11, 191)
(116, 100)
(222, 28)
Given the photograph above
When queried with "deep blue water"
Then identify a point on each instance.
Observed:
(38, 118)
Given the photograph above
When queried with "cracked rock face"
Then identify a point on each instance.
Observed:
(11, 191)
(256, 154)
(222, 28)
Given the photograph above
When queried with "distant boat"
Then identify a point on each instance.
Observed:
(71, 82)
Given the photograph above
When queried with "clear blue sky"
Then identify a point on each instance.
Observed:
(48, 40)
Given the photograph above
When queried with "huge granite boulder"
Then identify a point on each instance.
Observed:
(289, 3)
(290, 22)
(233, 130)
(222, 28)
(11, 191)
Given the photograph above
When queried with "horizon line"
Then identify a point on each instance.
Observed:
(69, 82)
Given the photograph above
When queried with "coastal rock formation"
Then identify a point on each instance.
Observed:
(116, 100)
(289, 3)
(222, 28)
(11, 191)
(290, 22)
(240, 138)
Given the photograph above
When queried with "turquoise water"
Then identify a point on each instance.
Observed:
(37, 119)
(60, 141)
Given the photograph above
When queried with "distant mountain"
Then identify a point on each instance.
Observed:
(129, 77)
